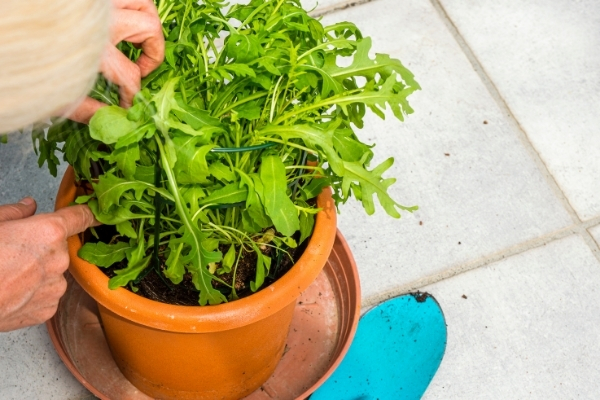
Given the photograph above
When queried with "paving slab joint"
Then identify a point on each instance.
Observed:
(576, 229)
(522, 134)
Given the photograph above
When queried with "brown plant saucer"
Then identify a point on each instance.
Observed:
(323, 327)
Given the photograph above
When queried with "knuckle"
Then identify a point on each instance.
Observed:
(156, 26)
(54, 228)
(134, 77)
(61, 287)
(62, 262)
(47, 313)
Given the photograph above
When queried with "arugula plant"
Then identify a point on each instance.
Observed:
(213, 153)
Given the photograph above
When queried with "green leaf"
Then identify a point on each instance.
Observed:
(135, 136)
(229, 259)
(277, 203)
(175, 268)
(111, 123)
(137, 261)
(113, 216)
(362, 65)
(243, 48)
(319, 139)
(241, 70)
(80, 150)
(263, 264)
(197, 258)
(102, 254)
(126, 158)
(165, 102)
(191, 166)
(170, 48)
(314, 188)
(307, 223)
(229, 194)
(126, 275)
(221, 172)
(110, 189)
(370, 183)
(254, 217)
(329, 84)
(194, 117)
(126, 229)
(349, 147)
(249, 111)
(144, 174)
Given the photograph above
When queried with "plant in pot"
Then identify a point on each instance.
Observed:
(218, 187)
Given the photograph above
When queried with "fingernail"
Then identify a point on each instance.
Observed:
(26, 201)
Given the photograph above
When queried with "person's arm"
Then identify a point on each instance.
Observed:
(137, 22)
(34, 258)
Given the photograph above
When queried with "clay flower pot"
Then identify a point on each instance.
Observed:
(214, 352)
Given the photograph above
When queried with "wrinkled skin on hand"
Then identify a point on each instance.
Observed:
(137, 22)
(34, 258)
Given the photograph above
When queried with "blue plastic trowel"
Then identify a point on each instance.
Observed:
(397, 350)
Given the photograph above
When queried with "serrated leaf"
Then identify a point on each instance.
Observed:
(175, 268)
(144, 174)
(126, 158)
(126, 229)
(221, 171)
(110, 189)
(126, 275)
(307, 223)
(249, 111)
(362, 65)
(372, 183)
(194, 117)
(135, 136)
(277, 203)
(229, 259)
(110, 123)
(102, 254)
(191, 165)
(263, 264)
(80, 150)
(228, 194)
(243, 48)
(348, 147)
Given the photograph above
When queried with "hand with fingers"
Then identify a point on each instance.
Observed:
(137, 22)
(34, 258)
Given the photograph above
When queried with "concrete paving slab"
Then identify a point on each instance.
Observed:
(31, 368)
(523, 328)
(20, 175)
(543, 58)
(478, 189)
(595, 232)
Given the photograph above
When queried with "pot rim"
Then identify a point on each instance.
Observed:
(190, 319)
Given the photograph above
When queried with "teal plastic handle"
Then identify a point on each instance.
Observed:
(397, 350)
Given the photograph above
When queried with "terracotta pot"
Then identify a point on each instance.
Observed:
(214, 352)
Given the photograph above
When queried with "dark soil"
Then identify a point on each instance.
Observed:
(152, 284)
(420, 297)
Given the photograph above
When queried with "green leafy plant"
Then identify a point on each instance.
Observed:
(211, 161)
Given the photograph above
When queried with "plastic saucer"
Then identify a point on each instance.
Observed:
(322, 329)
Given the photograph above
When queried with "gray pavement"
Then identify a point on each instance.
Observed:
(501, 157)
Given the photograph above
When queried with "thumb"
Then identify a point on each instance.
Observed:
(76, 219)
(23, 209)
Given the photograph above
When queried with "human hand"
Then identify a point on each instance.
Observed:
(134, 21)
(34, 257)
